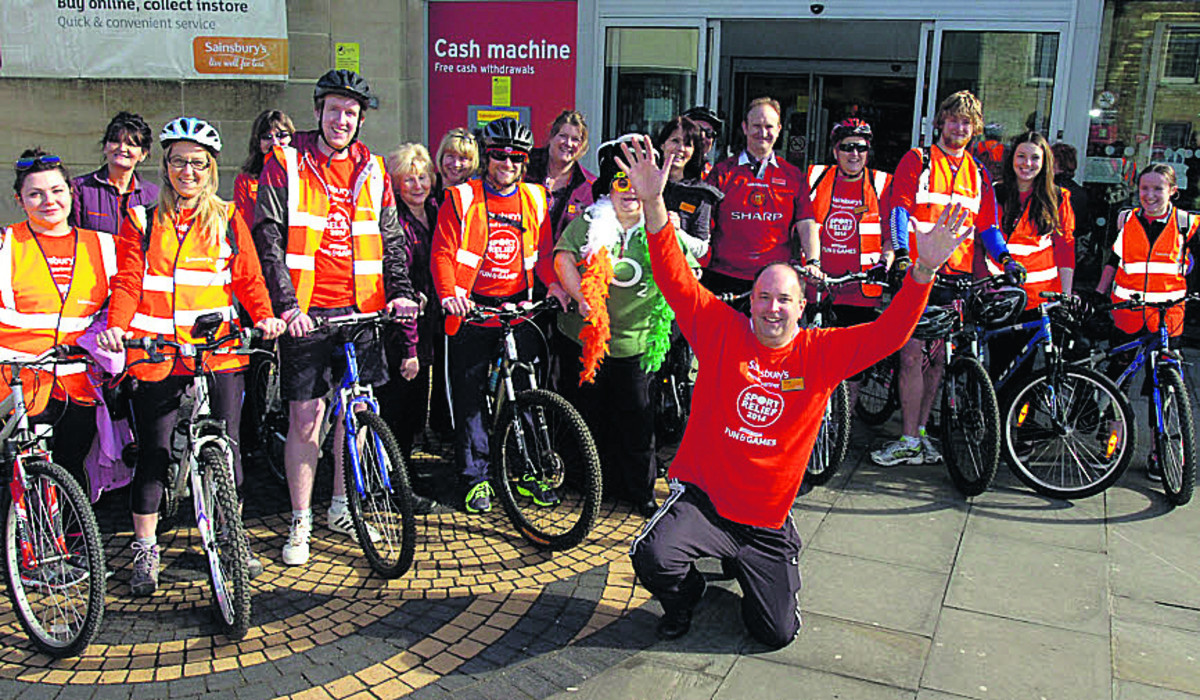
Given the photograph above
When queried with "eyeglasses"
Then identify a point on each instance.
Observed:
(512, 157)
(197, 164)
(621, 183)
(24, 164)
(276, 136)
(853, 147)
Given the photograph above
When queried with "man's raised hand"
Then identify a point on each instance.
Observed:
(935, 247)
(648, 179)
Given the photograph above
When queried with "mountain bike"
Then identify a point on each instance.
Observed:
(53, 555)
(1066, 431)
(536, 437)
(205, 467)
(1172, 417)
(377, 489)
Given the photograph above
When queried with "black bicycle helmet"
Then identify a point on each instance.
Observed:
(348, 83)
(507, 133)
(998, 306)
(936, 323)
(700, 113)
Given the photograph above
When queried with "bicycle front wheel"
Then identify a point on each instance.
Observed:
(1176, 445)
(970, 426)
(224, 539)
(545, 469)
(54, 562)
(833, 438)
(1069, 433)
(382, 510)
(878, 392)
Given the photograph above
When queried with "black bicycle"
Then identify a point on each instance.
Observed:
(539, 442)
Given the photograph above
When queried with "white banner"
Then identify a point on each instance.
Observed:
(166, 39)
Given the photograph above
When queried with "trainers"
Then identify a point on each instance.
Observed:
(254, 565)
(542, 496)
(339, 521)
(1154, 469)
(295, 552)
(144, 581)
(674, 623)
(906, 450)
(930, 452)
(479, 498)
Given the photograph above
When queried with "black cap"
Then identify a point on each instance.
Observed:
(700, 113)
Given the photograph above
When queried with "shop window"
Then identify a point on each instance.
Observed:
(1043, 53)
(649, 77)
(1181, 62)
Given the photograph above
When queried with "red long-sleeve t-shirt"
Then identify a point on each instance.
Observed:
(756, 410)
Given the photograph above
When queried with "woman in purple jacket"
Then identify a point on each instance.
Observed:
(404, 400)
(101, 197)
(556, 167)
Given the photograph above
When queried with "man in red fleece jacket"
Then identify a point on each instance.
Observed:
(757, 405)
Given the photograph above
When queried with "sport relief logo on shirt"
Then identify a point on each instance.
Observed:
(502, 260)
(841, 226)
(336, 241)
(759, 405)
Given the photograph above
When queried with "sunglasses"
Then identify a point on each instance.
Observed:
(621, 183)
(276, 136)
(853, 147)
(24, 164)
(708, 132)
(512, 157)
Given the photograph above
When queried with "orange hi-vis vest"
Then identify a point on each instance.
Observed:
(183, 280)
(308, 211)
(35, 316)
(940, 187)
(470, 202)
(1035, 252)
(1157, 273)
(821, 181)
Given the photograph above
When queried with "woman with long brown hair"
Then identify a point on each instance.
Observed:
(556, 166)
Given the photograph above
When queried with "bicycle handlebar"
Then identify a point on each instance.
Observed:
(510, 311)
(829, 282)
(730, 297)
(58, 354)
(153, 346)
(1135, 301)
(355, 319)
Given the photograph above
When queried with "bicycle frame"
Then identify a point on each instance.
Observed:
(1153, 352)
(1042, 338)
(350, 395)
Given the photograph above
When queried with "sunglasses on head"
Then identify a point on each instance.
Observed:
(853, 147)
(621, 183)
(27, 163)
(510, 156)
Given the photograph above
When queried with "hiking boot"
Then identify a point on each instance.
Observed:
(542, 496)
(144, 580)
(479, 498)
(295, 551)
(906, 450)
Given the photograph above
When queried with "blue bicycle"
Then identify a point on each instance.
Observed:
(377, 489)
(1172, 425)
(1067, 431)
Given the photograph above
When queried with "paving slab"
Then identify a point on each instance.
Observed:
(1025, 515)
(915, 532)
(1156, 561)
(1153, 613)
(856, 650)
(987, 657)
(1029, 581)
(641, 678)
(1159, 656)
(757, 678)
(875, 593)
(1128, 690)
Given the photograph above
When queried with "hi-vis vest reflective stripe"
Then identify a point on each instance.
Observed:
(938, 187)
(821, 181)
(471, 204)
(1156, 273)
(34, 315)
(308, 211)
(1036, 253)
(182, 281)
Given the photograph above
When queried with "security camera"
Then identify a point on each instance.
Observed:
(816, 8)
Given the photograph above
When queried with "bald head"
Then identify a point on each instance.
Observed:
(776, 304)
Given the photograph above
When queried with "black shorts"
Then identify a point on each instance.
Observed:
(309, 366)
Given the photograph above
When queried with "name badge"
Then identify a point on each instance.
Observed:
(688, 208)
(793, 384)
(863, 209)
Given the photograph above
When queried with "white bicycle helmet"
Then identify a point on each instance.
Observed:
(190, 129)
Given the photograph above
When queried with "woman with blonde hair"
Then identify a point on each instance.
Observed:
(457, 160)
(188, 256)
